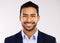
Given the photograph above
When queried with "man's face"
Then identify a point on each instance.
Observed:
(29, 18)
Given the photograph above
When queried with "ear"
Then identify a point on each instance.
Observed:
(20, 18)
(38, 18)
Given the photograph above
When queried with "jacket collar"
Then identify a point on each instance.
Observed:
(39, 38)
(19, 37)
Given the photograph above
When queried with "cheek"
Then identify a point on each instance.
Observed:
(35, 19)
(23, 19)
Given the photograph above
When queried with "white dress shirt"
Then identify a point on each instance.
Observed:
(33, 38)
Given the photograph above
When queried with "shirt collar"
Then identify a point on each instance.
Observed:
(34, 36)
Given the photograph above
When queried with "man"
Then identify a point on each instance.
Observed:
(29, 16)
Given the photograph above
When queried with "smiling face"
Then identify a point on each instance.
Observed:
(29, 18)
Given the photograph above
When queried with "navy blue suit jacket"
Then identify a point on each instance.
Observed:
(42, 38)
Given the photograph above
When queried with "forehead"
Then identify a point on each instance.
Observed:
(29, 10)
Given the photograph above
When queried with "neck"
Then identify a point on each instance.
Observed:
(29, 33)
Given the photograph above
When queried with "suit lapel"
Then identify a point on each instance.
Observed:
(39, 39)
(19, 37)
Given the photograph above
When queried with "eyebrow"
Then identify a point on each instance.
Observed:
(25, 14)
(31, 14)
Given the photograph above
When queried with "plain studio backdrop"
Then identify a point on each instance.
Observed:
(49, 23)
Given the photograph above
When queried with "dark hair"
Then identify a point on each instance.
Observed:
(30, 4)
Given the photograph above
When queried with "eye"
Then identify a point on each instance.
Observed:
(33, 15)
(24, 15)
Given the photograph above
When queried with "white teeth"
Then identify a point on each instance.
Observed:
(28, 24)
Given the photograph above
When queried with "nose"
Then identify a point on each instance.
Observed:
(29, 19)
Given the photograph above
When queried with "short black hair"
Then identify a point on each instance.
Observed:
(30, 4)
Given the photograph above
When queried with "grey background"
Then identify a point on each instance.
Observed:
(49, 17)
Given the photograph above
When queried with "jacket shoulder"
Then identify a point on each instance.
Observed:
(46, 37)
(13, 38)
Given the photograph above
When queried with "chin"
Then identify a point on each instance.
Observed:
(29, 29)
